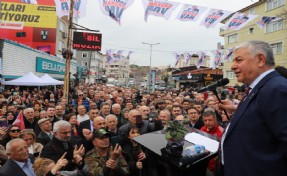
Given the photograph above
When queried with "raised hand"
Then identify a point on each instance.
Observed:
(111, 164)
(116, 152)
(87, 134)
(80, 151)
(139, 165)
(141, 156)
(62, 162)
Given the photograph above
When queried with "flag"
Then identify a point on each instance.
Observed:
(161, 8)
(190, 12)
(217, 58)
(213, 17)
(20, 121)
(177, 56)
(187, 57)
(114, 8)
(201, 57)
(119, 55)
(228, 55)
(63, 8)
(29, 1)
(128, 56)
(109, 55)
(238, 21)
(264, 20)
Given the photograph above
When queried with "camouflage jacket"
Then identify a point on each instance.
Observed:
(97, 165)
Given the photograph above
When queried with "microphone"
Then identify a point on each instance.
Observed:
(219, 83)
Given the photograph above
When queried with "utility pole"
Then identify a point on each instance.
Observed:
(69, 52)
(149, 77)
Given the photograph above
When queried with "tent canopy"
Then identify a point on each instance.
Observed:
(30, 79)
(48, 79)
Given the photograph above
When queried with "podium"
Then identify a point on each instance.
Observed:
(166, 165)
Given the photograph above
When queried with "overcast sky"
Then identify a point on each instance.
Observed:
(173, 35)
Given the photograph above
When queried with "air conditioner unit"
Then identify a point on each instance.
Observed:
(65, 34)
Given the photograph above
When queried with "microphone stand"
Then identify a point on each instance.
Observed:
(216, 94)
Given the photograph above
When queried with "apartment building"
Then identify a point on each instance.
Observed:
(275, 32)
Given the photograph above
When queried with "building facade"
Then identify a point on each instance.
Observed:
(18, 59)
(93, 66)
(118, 69)
(274, 33)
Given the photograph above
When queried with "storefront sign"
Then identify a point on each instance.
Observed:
(208, 77)
(49, 66)
(87, 41)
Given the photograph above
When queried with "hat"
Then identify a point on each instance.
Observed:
(52, 101)
(100, 133)
(42, 120)
(160, 101)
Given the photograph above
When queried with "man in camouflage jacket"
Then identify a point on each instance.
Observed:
(104, 160)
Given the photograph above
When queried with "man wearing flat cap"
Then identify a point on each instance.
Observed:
(46, 134)
(161, 105)
(103, 159)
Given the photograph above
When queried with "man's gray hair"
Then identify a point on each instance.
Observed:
(111, 115)
(167, 112)
(208, 112)
(10, 143)
(25, 110)
(59, 124)
(132, 111)
(259, 47)
(116, 105)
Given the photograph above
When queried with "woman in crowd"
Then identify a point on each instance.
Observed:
(12, 133)
(125, 113)
(132, 152)
(10, 117)
(72, 119)
(47, 167)
(29, 136)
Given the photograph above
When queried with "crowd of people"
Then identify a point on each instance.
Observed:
(92, 132)
(74, 137)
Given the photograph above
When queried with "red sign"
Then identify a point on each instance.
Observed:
(87, 41)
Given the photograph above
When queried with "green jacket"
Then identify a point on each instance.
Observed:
(97, 165)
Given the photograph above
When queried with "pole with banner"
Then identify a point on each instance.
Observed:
(153, 79)
(68, 53)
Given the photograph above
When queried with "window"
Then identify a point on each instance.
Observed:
(61, 27)
(60, 45)
(277, 48)
(252, 10)
(274, 26)
(272, 4)
(84, 55)
(251, 31)
(85, 63)
(232, 38)
(230, 74)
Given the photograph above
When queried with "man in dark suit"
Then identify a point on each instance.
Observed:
(194, 120)
(255, 140)
(46, 133)
(88, 124)
(60, 144)
(19, 163)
